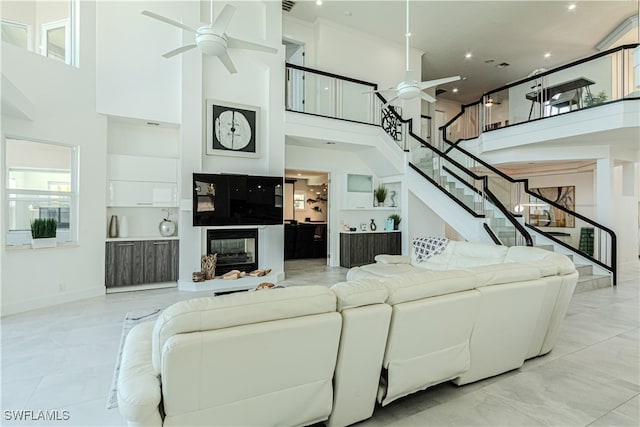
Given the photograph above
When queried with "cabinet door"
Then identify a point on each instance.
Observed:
(160, 261)
(132, 193)
(123, 264)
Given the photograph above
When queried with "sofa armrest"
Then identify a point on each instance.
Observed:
(139, 390)
(393, 259)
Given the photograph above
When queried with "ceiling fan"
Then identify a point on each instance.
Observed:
(411, 88)
(211, 38)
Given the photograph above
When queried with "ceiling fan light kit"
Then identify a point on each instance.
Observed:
(211, 39)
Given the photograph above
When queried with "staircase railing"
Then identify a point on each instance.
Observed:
(324, 94)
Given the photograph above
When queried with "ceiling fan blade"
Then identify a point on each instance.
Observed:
(224, 18)
(243, 44)
(228, 63)
(427, 97)
(168, 21)
(390, 101)
(174, 52)
(432, 83)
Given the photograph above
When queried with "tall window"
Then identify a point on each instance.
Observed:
(47, 27)
(40, 183)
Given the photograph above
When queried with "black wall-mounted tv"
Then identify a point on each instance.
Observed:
(223, 199)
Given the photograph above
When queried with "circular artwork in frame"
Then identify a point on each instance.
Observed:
(232, 129)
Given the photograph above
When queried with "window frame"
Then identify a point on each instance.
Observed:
(23, 25)
(68, 235)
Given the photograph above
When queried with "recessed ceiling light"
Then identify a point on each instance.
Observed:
(467, 55)
(455, 90)
(547, 55)
(571, 6)
(319, 2)
(407, 34)
(299, 174)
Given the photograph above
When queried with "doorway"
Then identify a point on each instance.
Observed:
(306, 215)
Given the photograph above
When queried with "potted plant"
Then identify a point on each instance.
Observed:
(396, 220)
(43, 233)
(380, 194)
(590, 100)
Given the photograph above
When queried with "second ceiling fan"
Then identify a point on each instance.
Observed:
(411, 88)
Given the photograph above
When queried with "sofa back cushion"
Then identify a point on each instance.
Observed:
(550, 263)
(426, 284)
(463, 255)
(244, 308)
(506, 272)
(358, 293)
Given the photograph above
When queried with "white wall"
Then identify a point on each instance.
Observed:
(64, 112)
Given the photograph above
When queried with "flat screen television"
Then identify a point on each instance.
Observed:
(223, 199)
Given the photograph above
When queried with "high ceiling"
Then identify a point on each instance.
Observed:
(518, 33)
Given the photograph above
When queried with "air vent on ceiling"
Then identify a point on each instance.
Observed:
(287, 5)
(440, 91)
(502, 65)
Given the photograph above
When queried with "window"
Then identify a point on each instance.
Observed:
(40, 183)
(53, 23)
(16, 33)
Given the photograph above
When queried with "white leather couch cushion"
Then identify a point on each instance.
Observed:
(462, 255)
(359, 293)
(550, 263)
(379, 270)
(507, 272)
(425, 284)
(201, 314)
(138, 384)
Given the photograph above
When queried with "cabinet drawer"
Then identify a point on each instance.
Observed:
(140, 194)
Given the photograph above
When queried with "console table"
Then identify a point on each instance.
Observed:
(567, 97)
(359, 248)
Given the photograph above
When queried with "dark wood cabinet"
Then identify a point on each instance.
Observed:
(361, 248)
(137, 262)
(160, 261)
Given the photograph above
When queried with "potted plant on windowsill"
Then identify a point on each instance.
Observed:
(43, 233)
(380, 194)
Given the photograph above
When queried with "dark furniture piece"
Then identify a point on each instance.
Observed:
(138, 262)
(571, 94)
(361, 248)
(305, 240)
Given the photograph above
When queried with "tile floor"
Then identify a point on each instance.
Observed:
(63, 358)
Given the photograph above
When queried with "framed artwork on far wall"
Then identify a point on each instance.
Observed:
(232, 129)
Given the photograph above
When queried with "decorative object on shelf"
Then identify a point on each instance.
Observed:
(363, 226)
(197, 276)
(43, 233)
(232, 129)
(392, 196)
(113, 226)
(208, 264)
(380, 194)
(346, 227)
(124, 227)
(373, 226)
(396, 220)
(167, 227)
(389, 225)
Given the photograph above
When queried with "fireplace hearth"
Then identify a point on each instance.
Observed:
(237, 249)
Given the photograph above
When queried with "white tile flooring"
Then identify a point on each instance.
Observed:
(63, 358)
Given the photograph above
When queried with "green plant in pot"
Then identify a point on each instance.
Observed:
(590, 100)
(396, 220)
(43, 233)
(380, 194)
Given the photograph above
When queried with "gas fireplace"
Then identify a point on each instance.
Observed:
(237, 249)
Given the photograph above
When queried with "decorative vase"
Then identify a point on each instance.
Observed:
(373, 225)
(47, 242)
(113, 226)
(208, 264)
(124, 227)
(167, 228)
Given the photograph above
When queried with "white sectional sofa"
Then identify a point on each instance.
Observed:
(300, 355)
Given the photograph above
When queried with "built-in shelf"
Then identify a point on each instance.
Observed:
(135, 238)
(380, 209)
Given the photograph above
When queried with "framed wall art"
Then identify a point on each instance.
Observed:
(232, 129)
(549, 216)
